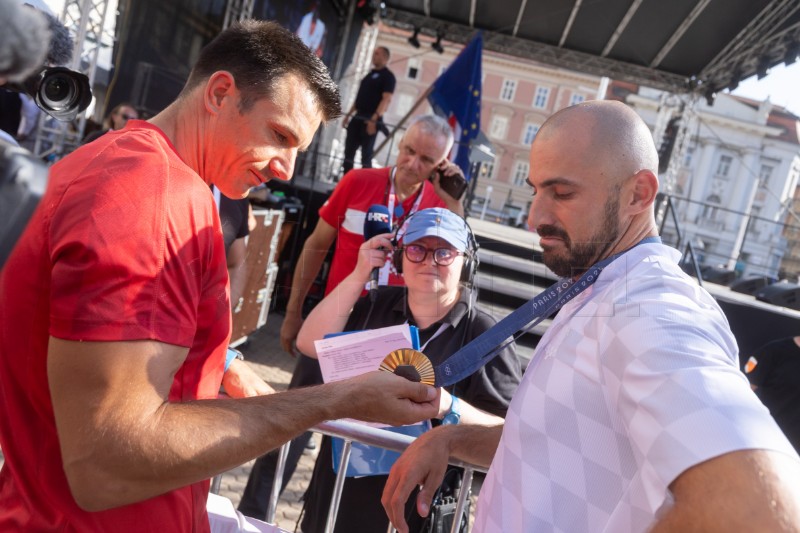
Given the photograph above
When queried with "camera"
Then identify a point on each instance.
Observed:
(58, 91)
(23, 179)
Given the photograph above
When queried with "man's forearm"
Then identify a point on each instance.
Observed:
(182, 443)
(237, 269)
(307, 269)
(331, 314)
(474, 444)
(238, 277)
(383, 105)
(455, 206)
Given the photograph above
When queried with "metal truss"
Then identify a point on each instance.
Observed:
(684, 107)
(761, 44)
(237, 10)
(686, 127)
(544, 53)
(766, 41)
(86, 20)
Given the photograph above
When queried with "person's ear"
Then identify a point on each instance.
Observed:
(644, 187)
(219, 91)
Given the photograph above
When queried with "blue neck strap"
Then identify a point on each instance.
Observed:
(491, 342)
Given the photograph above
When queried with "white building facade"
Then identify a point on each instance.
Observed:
(734, 182)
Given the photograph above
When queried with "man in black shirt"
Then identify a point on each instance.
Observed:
(774, 373)
(372, 101)
(239, 380)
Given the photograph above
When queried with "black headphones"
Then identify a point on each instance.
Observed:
(471, 261)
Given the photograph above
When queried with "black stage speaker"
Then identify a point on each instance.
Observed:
(783, 294)
(750, 285)
(719, 275)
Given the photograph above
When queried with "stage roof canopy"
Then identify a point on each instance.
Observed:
(676, 45)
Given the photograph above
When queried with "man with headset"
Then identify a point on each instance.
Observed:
(404, 188)
(437, 259)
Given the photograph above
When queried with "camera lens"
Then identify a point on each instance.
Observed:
(58, 91)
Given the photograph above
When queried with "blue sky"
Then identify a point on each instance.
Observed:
(782, 85)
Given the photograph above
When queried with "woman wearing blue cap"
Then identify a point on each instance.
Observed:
(438, 259)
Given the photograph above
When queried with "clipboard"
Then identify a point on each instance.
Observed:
(372, 460)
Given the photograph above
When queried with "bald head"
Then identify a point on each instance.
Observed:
(608, 135)
(593, 168)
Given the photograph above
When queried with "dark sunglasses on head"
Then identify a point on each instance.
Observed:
(441, 256)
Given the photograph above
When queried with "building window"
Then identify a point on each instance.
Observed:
(508, 90)
(530, 132)
(764, 174)
(413, 68)
(687, 157)
(540, 100)
(404, 103)
(710, 210)
(487, 170)
(576, 99)
(724, 166)
(521, 171)
(498, 127)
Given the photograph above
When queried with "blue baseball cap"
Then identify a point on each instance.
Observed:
(438, 222)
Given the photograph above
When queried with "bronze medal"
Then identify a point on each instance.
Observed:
(410, 364)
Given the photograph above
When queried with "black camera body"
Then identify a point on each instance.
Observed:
(61, 93)
(23, 179)
(58, 91)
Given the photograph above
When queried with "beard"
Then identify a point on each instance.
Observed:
(579, 256)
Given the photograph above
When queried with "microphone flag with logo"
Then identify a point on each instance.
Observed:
(376, 222)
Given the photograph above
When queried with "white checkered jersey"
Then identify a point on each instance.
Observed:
(635, 381)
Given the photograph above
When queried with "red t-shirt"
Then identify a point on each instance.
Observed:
(125, 245)
(347, 208)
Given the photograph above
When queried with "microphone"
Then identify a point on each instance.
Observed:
(32, 38)
(375, 223)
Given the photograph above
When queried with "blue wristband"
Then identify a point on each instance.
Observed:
(231, 354)
(454, 415)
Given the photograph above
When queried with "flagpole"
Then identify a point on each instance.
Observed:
(405, 118)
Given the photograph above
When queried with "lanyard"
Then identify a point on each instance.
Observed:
(399, 212)
(491, 342)
(438, 332)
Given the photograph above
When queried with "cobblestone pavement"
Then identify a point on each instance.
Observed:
(263, 351)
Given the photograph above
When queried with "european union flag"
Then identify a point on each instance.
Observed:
(456, 95)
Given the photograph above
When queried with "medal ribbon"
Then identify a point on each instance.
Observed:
(482, 349)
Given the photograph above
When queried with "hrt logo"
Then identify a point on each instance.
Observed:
(378, 217)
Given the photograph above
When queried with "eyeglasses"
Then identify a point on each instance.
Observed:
(441, 256)
(128, 117)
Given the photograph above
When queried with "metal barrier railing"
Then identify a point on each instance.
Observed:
(668, 208)
(354, 432)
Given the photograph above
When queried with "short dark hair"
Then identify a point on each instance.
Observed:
(258, 53)
(385, 51)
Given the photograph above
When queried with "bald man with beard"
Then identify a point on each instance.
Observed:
(632, 415)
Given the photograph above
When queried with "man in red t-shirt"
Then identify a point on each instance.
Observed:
(403, 188)
(116, 315)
